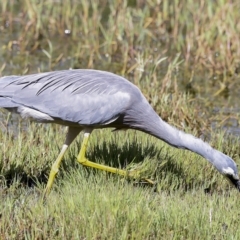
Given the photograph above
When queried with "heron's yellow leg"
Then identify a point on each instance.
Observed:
(54, 170)
(84, 161)
(71, 135)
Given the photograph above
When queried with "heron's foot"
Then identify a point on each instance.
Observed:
(137, 174)
(133, 174)
(45, 194)
(147, 181)
(85, 162)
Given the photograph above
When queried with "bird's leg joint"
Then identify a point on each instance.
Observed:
(83, 160)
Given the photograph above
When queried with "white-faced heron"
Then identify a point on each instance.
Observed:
(86, 99)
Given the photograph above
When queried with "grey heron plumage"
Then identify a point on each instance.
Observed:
(86, 99)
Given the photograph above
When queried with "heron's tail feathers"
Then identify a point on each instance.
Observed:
(7, 88)
(7, 103)
(6, 91)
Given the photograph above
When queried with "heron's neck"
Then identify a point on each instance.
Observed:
(179, 139)
(151, 123)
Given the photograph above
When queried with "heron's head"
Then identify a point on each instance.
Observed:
(229, 170)
(232, 175)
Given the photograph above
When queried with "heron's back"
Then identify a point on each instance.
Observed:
(85, 97)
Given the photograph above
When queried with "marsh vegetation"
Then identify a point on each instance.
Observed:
(184, 56)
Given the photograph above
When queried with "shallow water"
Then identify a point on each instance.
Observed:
(58, 53)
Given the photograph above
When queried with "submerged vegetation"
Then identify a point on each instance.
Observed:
(184, 55)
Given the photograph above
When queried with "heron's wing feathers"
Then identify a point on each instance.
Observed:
(81, 96)
(7, 103)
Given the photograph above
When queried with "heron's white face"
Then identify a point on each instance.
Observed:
(230, 172)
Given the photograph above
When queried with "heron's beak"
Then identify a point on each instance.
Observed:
(235, 182)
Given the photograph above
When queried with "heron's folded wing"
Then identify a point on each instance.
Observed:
(83, 97)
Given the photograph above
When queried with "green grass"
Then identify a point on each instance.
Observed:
(184, 55)
(92, 206)
(191, 200)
